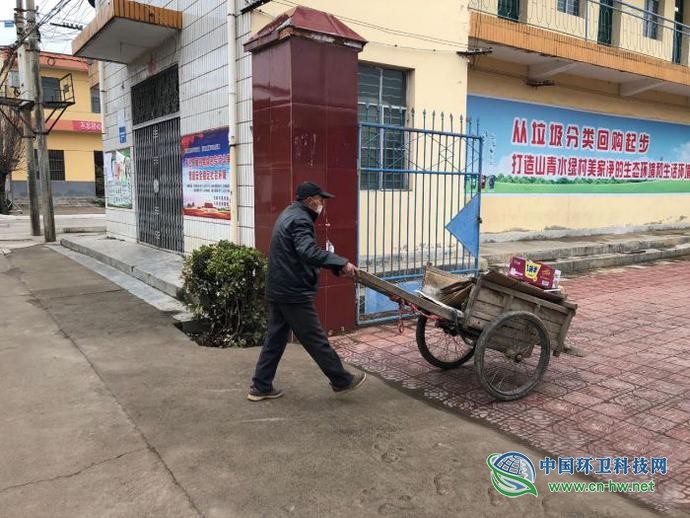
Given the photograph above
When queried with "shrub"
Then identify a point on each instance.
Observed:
(224, 284)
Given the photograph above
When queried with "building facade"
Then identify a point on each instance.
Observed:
(582, 106)
(74, 142)
(616, 78)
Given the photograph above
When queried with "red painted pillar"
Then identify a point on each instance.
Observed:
(304, 84)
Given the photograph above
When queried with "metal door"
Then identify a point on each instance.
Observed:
(419, 200)
(159, 185)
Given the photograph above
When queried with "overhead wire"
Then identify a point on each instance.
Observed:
(74, 14)
(39, 23)
(457, 46)
(86, 13)
(389, 30)
(78, 15)
(51, 33)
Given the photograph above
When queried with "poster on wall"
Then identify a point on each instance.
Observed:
(206, 174)
(532, 148)
(118, 178)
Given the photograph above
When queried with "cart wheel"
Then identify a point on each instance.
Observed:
(443, 348)
(512, 355)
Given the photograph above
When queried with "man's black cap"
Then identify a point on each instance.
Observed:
(306, 189)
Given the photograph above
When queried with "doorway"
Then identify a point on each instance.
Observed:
(155, 115)
(98, 170)
(159, 185)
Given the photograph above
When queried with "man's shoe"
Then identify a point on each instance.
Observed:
(257, 395)
(357, 381)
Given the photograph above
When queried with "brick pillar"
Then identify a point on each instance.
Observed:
(304, 88)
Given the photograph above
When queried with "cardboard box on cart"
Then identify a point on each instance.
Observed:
(533, 272)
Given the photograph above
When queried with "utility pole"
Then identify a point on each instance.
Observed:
(27, 133)
(41, 137)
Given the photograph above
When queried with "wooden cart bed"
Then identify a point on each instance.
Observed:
(489, 300)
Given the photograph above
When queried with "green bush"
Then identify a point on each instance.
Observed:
(224, 284)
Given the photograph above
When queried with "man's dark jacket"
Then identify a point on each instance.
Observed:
(294, 258)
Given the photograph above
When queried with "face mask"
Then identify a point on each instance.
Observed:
(314, 204)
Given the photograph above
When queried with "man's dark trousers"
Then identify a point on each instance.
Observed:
(304, 322)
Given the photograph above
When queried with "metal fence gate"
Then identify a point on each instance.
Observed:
(159, 185)
(414, 182)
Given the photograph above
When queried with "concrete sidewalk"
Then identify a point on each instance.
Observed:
(15, 231)
(162, 269)
(108, 410)
(155, 267)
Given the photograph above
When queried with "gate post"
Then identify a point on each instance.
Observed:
(304, 90)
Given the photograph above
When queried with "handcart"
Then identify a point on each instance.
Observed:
(511, 329)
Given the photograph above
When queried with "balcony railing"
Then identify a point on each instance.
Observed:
(607, 22)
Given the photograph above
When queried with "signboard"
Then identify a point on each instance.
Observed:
(532, 148)
(87, 126)
(118, 178)
(206, 174)
(121, 128)
(78, 126)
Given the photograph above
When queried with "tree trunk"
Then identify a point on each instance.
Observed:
(3, 194)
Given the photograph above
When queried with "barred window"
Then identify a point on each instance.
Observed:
(56, 159)
(156, 96)
(56, 162)
(382, 98)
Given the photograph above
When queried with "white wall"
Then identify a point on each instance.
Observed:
(121, 223)
(200, 51)
(244, 148)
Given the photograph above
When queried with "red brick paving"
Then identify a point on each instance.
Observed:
(629, 396)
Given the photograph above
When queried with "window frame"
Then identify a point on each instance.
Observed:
(384, 115)
(156, 96)
(56, 164)
(55, 88)
(95, 100)
(571, 7)
(651, 19)
(509, 10)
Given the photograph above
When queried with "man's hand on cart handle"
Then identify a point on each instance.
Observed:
(349, 270)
